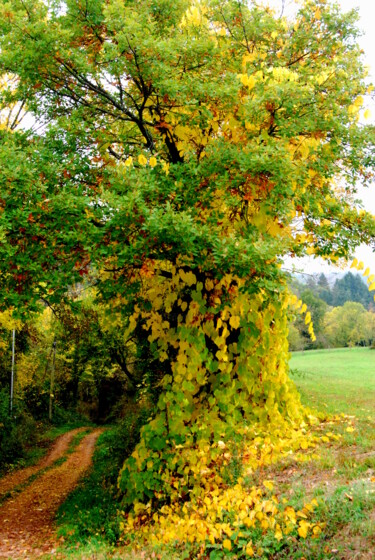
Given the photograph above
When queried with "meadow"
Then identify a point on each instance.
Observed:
(337, 380)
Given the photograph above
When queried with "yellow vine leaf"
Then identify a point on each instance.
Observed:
(303, 528)
(227, 544)
(153, 161)
(142, 160)
(234, 321)
(278, 533)
(165, 167)
(248, 81)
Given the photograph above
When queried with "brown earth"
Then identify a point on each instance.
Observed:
(26, 521)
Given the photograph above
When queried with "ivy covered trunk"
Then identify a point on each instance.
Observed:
(226, 360)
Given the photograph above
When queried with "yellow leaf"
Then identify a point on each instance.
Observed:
(370, 279)
(274, 34)
(367, 114)
(278, 533)
(303, 308)
(303, 529)
(251, 82)
(153, 161)
(129, 162)
(268, 484)
(366, 272)
(142, 160)
(371, 287)
(227, 544)
(350, 429)
(360, 266)
(316, 531)
(249, 551)
(234, 321)
(308, 318)
(354, 263)
(244, 78)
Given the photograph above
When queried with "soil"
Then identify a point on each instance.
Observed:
(27, 519)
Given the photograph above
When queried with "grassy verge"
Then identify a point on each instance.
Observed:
(88, 519)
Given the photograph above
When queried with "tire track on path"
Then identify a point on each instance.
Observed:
(26, 522)
(58, 449)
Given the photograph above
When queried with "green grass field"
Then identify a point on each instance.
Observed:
(338, 380)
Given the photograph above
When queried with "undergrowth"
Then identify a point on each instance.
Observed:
(91, 511)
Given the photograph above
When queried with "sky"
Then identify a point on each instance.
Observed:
(367, 41)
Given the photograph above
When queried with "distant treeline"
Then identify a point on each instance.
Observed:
(342, 313)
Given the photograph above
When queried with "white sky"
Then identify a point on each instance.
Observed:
(367, 42)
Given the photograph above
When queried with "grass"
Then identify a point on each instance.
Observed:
(339, 380)
(341, 478)
(88, 519)
(90, 512)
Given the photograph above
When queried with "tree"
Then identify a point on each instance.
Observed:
(318, 309)
(351, 288)
(349, 325)
(324, 290)
(186, 149)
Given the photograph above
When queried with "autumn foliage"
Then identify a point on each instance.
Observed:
(187, 148)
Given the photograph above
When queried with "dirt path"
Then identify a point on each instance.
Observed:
(10, 481)
(26, 521)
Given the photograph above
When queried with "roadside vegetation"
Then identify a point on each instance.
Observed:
(339, 473)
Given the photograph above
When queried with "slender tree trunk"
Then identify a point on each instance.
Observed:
(12, 371)
(51, 396)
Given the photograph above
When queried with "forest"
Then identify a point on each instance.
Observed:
(159, 161)
(342, 313)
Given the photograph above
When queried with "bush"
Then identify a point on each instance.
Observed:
(17, 432)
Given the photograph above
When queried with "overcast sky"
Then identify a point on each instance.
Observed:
(367, 42)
